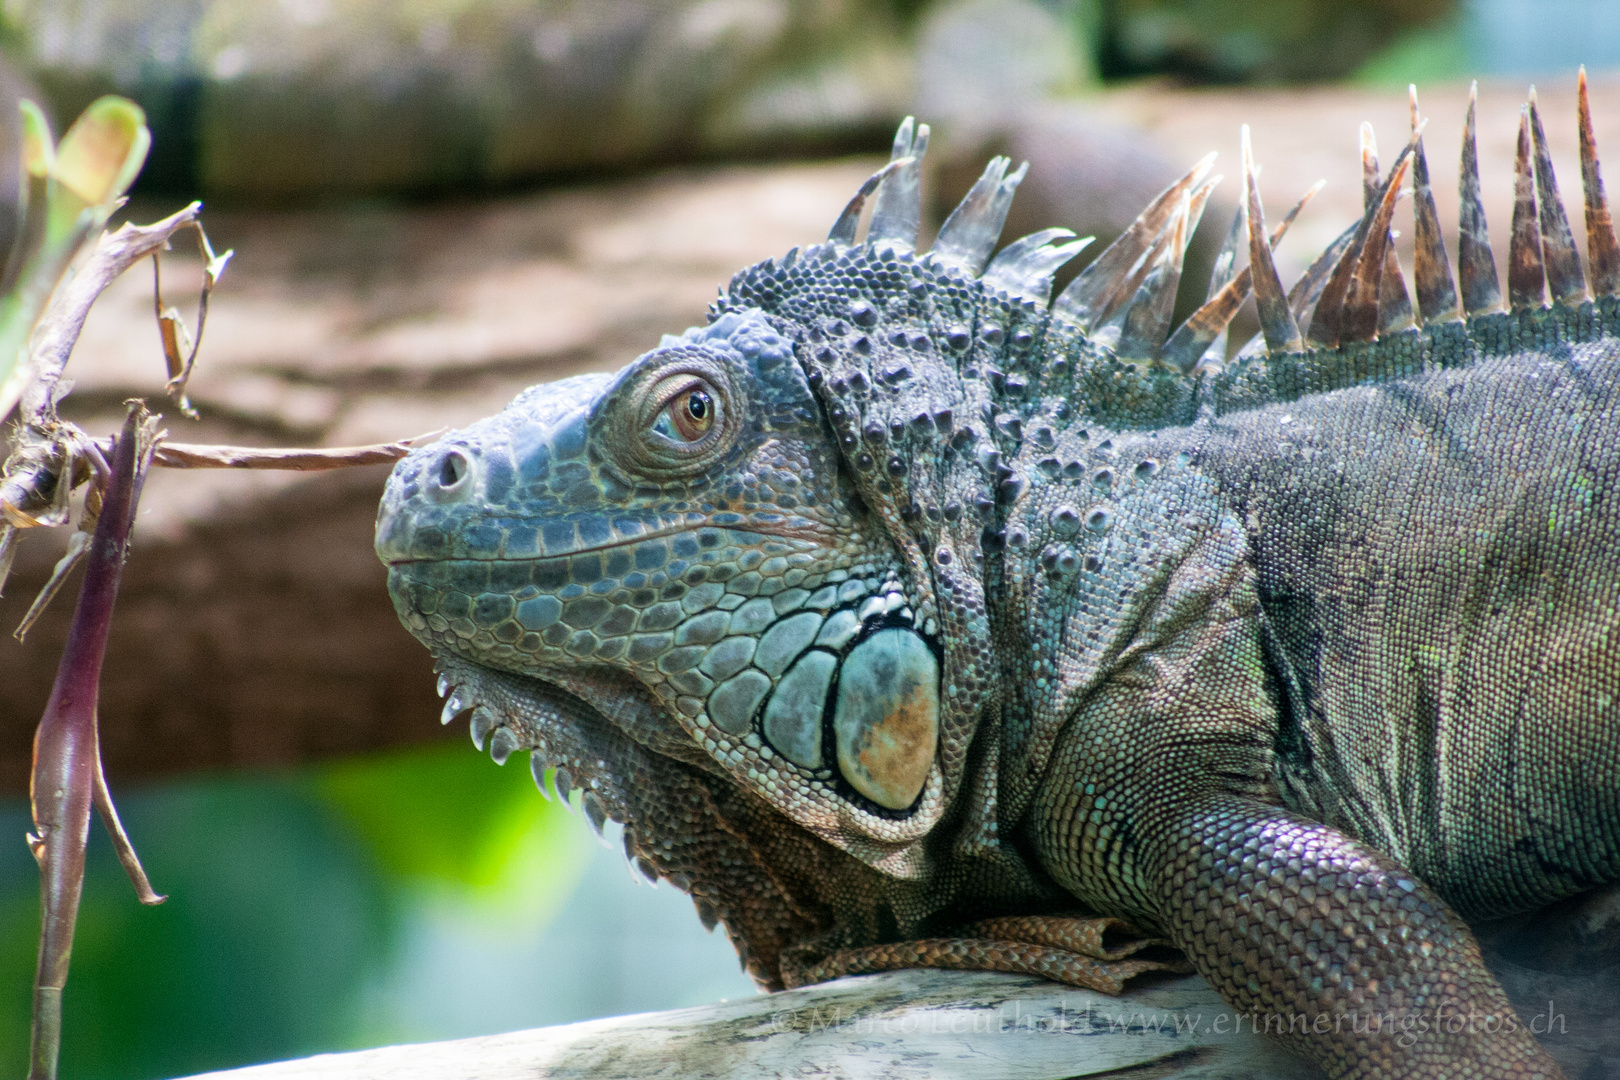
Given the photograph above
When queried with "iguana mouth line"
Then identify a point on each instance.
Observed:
(813, 534)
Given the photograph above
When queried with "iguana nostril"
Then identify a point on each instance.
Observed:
(454, 471)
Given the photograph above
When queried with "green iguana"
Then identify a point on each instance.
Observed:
(906, 617)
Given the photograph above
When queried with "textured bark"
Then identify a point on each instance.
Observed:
(903, 1025)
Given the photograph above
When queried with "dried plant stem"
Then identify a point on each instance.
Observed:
(67, 778)
(59, 329)
(299, 459)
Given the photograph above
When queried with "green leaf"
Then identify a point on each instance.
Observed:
(103, 151)
(38, 145)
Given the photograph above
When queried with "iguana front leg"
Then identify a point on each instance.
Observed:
(1333, 947)
(1161, 805)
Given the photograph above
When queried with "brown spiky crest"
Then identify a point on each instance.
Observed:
(1103, 350)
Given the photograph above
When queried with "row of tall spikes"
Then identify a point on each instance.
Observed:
(1353, 291)
(1364, 294)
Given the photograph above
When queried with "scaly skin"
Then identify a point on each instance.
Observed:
(903, 618)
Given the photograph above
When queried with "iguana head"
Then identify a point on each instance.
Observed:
(681, 531)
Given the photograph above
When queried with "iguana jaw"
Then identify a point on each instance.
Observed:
(630, 764)
(560, 721)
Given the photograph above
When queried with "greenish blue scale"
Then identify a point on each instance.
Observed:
(645, 647)
(681, 658)
(753, 618)
(491, 608)
(734, 702)
(662, 616)
(786, 640)
(585, 612)
(703, 596)
(792, 722)
(789, 600)
(728, 657)
(694, 683)
(823, 598)
(703, 629)
(621, 620)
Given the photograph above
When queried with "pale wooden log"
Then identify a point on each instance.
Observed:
(901, 1025)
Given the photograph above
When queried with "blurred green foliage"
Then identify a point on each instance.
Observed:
(449, 820)
(1256, 40)
(285, 903)
(1424, 54)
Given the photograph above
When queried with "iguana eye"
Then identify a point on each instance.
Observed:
(689, 415)
(679, 416)
(693, 414)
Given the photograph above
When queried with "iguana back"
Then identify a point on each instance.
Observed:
(1438, 560)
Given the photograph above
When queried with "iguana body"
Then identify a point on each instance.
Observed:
(902, 616)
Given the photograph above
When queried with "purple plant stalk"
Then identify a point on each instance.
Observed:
(67, 778)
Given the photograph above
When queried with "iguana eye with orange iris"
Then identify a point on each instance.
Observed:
(691, 413)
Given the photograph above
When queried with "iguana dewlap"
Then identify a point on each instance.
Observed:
(905, 616)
